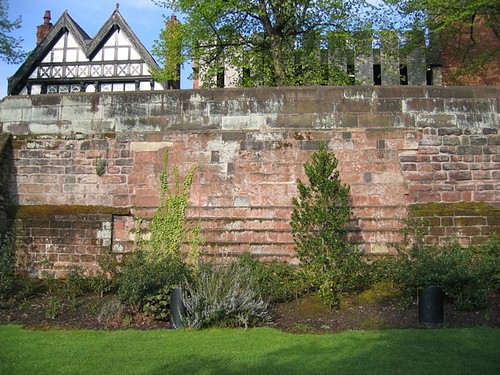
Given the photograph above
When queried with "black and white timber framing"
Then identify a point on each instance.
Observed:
(67, 60)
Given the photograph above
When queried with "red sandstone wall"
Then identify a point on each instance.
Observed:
(396, 147)
(53, 239)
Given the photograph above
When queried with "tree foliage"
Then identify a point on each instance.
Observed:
(320, 216)
(321, 212)
(269, 42)
(10, 47)
(168, 50)
(456, 25)
(443, 15)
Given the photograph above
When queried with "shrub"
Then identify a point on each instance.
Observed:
(101, 282)
(140, 278)
(319, 222)
(466, 274)
(223, 295)
(7, 265)
(382, 268)
(111, 312)
(53, 308)
(76, 284)
(104, 279)
(158, 305)
(277, 281)
(491, 249)
(76, 281)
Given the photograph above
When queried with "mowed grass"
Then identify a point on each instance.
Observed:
(253, 351)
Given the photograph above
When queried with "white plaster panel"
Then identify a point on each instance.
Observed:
(71, 43)
(111, 40)
(134, 55)
(123, 53)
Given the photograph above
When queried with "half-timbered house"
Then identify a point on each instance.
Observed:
(67, 60)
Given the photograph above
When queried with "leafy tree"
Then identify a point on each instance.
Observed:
(321, 213)
(441, 15)
(10, 47)
(452, 26)
(270, 42)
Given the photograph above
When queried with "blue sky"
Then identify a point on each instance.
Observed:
(144, 17)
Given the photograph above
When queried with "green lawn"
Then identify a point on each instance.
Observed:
(254, 351)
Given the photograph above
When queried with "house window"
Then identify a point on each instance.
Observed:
(90, 88)
(75, 88)
(52, 89)
(117, 86)
(106, 87)
(377, 74)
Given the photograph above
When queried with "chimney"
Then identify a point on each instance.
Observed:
(43, 30)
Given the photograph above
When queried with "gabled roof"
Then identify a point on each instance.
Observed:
(89, 45)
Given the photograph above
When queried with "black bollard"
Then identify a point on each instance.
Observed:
(177, 308)
(430, 307)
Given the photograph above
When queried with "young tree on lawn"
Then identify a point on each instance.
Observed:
(321, 213)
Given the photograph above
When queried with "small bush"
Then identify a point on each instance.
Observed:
(111, 312)
(158, 305)
(223, 295)
(140, 278)
(382, 268)
(101, 283)
(76, 282)
(104, 279)
(53, 307)
(277, 281)
(491, 249)
(466, 274)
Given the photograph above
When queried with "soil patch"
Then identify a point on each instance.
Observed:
(309, 315)
(304, 315)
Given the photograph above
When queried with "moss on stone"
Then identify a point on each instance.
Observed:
(454, 209)
(43, 211)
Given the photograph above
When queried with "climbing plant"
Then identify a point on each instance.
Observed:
(170, 228)
(158, 265)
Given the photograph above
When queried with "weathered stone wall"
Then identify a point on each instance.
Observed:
(52, 239)
(5, 149)
(396, 146)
